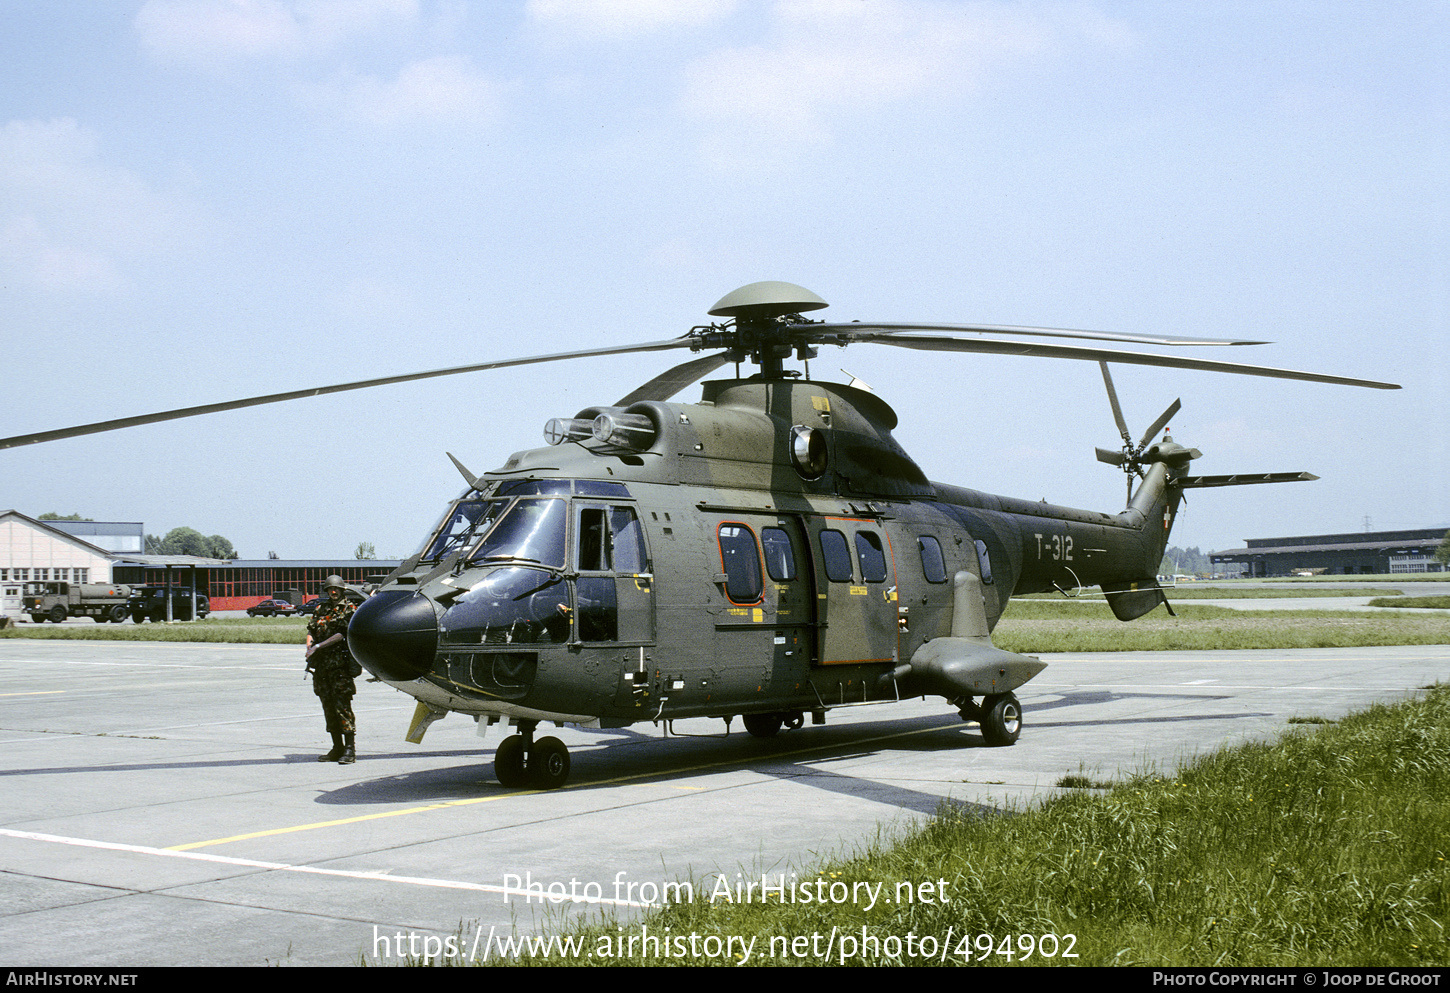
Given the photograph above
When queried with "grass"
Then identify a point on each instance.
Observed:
(248, 631)
(1398, 577)
(1327, 847)
(1038, 626)
(1439, 602)
(1244, 593)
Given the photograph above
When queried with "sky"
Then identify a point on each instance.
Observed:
(209, 199)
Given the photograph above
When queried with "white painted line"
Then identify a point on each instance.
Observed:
(379, 877)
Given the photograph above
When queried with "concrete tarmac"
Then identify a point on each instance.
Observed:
(161, 804)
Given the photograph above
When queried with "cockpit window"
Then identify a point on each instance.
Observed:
(466, 521)
(531, 531)
(609, 539)
(597, 488)
(534, 487)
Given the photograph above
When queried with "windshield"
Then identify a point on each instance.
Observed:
(467, 520)
(531, 531)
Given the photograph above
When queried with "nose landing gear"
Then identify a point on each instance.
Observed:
(520, 761)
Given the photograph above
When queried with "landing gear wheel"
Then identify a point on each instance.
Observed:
(549, 764)
(762, 725)
(1001, 720)
(508, 761)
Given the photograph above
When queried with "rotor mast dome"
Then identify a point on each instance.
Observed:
(766, 300)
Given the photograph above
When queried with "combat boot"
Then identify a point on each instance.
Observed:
(337, 750)
(349, 753)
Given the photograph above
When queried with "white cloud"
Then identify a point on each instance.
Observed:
(831, 58)
(210, 31)
(29, 254)
(442, 89)
(68, 220)
(624, 18)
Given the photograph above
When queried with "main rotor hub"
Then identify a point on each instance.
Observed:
(766, 301)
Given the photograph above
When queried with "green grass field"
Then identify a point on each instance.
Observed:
(1196, 592)
(1038, 626)
(242, 631)
(1432, 602)
(1399, 577)
(1327, 847)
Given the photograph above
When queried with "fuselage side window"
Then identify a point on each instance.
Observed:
(740, 561)
(872, 557)
(837, 556)
(779, 555)
(984, 561)
(933, 565)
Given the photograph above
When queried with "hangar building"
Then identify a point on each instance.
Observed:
(1368, 552)
(33, 550)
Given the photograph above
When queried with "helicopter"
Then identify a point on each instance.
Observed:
(768, 552)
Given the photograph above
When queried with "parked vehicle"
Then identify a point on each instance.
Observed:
(272, 608)
(56, 601)
(149, 603)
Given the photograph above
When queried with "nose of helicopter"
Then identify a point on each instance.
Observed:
(394, 635)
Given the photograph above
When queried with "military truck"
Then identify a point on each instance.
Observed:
(148, 603)
(56, 601)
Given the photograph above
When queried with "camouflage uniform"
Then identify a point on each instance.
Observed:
(333, 667)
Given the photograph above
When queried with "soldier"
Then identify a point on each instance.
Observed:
(333, 669)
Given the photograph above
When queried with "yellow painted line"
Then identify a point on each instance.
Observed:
(448, 804)
(32, 693)
(345, 820)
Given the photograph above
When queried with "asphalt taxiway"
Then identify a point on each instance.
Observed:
(161, 804)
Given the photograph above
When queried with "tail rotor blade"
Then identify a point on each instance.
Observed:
(1111, 458)
(1162, 420)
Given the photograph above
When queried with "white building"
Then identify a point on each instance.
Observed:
(32, 550)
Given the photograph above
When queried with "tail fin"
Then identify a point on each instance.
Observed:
(1156, 501)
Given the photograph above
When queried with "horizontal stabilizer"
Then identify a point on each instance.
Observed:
(1244, 479)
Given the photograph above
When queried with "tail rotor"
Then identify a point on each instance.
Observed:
(1130, 458)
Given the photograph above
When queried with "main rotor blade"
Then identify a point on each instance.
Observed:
(212, 408)
(1117, 411)
(891, 327)
(990, 346)
(1163, 419)
(670, 382)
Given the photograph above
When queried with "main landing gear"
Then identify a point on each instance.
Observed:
(999, 716)
(522, 761)
(768, 725)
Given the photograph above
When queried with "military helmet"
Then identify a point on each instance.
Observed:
(334, 580)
